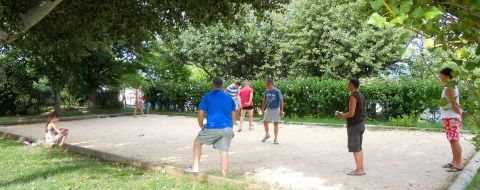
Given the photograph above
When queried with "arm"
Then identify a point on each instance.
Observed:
(282, 105)
(264, 104)
(251, 99)
(450, 93)
(352, 105)
(200, 117)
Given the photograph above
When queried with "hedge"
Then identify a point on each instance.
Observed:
(312, 97)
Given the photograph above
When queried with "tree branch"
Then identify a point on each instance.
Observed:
(30, 19)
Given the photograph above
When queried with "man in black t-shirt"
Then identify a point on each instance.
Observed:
(355, 124)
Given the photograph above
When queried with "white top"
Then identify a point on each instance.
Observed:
(447, 111)
(138, 94)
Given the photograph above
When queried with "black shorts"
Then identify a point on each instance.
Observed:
(248, 108)
(355, 137)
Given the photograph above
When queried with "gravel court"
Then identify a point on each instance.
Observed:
(307, 158)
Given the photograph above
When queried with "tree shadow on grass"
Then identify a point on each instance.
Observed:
(43, 174)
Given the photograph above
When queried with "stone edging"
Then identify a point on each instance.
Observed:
(166, 169)
(468, 173)
(71, 118)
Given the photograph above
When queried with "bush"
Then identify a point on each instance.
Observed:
(313, 97)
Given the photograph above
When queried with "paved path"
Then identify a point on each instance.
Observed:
(307, 157)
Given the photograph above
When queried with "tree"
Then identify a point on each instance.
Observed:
(331, 39)
(22, 90)
(450, 25)
(241, 51)
(16, 22)
(74, 29)
(99, 69)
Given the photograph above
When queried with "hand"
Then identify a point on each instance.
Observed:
(282, 114)
(337, 113)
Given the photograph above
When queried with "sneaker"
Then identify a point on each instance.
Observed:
(265, 138)
(275, 141)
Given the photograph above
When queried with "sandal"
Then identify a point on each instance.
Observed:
(455, 169)
(239, 130)
(449, 165)
(355, 173)
(190, 171)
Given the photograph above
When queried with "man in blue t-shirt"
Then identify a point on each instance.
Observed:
(218, 131)
(272, 108)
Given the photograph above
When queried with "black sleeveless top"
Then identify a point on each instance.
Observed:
(359, 110)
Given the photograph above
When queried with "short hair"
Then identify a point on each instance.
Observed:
(447, 71)
(237, 82)
(246, 82)
(355, 82)
(217, 82)
(269, 81)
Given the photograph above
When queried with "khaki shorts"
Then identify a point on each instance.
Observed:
(220, 138)
(272, 115)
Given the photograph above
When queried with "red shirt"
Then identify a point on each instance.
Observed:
(245, 96)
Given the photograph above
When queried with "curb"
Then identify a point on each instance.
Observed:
(166, 169)
(71, 118)
(468, 173)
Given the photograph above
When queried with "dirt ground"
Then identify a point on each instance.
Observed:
(307, 157)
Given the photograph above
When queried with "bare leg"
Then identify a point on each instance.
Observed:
(135, 110)
(242, 117)
(63, 136)
(276, 129)
(250, 120)
(265, 126)
(235, 117)
(224, 162)
(197, 153)
(457, 154)
(358, 156)
(141, 108)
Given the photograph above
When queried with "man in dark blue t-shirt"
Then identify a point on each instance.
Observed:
(220, 109)
(272, 107)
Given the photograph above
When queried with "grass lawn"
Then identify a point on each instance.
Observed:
(24, 167)
(475, 184)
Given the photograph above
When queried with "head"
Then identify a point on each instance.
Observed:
(237, 83)
(446, 75)
(246, 83)
(139, 86)
(353, 84)
(269, 83)
(217, 83)
(52, 119)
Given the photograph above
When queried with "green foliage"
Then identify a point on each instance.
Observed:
(245, 50)
(22, 91)
(450, 25)
(312, 38)
(313, 97)
(330, 39)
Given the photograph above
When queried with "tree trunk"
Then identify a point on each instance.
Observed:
(28, 20)
(92, 95)
(57, 99)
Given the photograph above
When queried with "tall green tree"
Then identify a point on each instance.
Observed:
(241, 51)
(330, 38)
